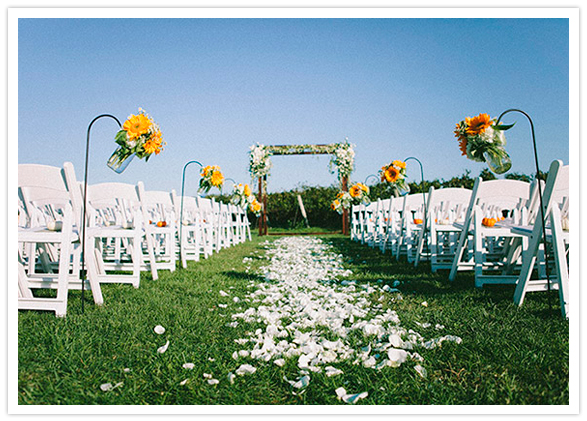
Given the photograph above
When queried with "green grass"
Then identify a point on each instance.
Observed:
(509, 355)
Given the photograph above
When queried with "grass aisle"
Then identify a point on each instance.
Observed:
(508, 355)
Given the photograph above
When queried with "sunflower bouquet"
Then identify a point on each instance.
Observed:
(481, 139)
(139, 136)
(242, 195)
(395, 173)
(255, 207)
(358, 193)
(211, 177)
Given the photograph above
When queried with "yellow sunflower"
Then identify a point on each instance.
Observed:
(136, 125)
(477, 125)
(391, 174)
(334, 204)
(247, 190)
(355, 191)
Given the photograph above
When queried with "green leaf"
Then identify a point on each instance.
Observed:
(504, 127)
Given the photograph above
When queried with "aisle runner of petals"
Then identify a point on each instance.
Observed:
(302, 299)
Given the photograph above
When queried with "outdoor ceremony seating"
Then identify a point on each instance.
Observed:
(49, 256)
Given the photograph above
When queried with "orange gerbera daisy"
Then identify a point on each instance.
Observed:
(477, 125)
(217, 178)
(136, 125)
(355, 191)
(205, 170)
(391, 174)
(247, 190)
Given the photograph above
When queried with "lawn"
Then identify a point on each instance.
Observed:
(508, 355)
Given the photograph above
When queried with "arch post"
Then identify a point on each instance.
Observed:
(345, 212)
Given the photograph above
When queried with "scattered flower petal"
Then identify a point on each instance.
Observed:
(207, 376)
(354, 398)
(425, 303)
(245, 369)
(163, 348)
(224, 294)
(421, 371)
(188, 366)
(279, 362)
(159, 330)
(231, 377)
(213, 381)
(183, 382)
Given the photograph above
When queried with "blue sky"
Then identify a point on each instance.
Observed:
(394, 87)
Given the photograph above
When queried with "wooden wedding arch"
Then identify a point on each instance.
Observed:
(324, 149)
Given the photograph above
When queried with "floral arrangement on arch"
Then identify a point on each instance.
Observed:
(211, 177)
(358, 193)
(259, 162)
(481, 139)
(139, 136)
(242, 196)
(343, 159)
(395, 174)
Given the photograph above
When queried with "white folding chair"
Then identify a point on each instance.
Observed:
(445, 207)
(413, 208)
(116, 231)
(157, 206)
(487, 196)
(392, 224)
(554, 198)
(191, 230)
(42, 186)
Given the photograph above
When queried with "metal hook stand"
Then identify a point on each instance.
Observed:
(181, 211)
(369, 176)
(422, 175)
(83, 221)
(539, 196)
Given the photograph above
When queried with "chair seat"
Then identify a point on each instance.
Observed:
(42, 235)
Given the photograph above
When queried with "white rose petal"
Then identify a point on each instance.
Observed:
(188, 366)
(213, 381)
(183, 382)
(159, 330)
(224, 294)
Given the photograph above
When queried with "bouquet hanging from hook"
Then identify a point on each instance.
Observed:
(482, 139)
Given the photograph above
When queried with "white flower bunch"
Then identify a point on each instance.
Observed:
(259, 162)
(343, 158)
